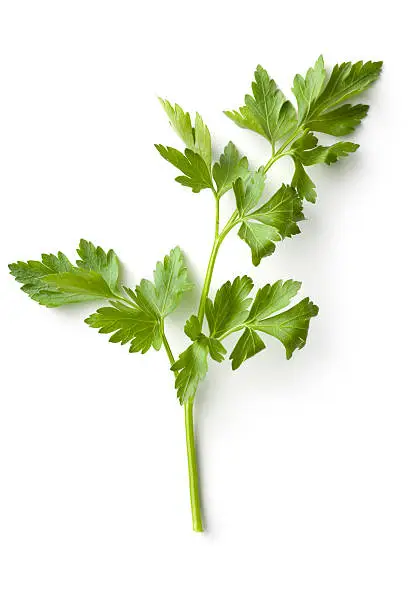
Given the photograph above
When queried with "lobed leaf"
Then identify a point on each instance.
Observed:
(196, 174)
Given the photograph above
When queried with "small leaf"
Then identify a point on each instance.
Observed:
(230, 307)
(196, 174)
(308, 89)
(230, 167)
(346, 80)
(95, 259)
(248, 192)
(290, 327)
(171, 282)
(309, 154)
(268, 112)
(282, 211)
(133, 325)
(54, 281)
(192, 327)
(196, 138)
(302, 182)
(340, 121)
(271, 298)
(260, 238)
(191, 368)
(249, 344)
(180, 122)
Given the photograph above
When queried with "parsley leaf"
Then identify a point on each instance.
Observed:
(340, 121)
(54, 281)
(308, 153)
(229, 167)
(302, 182)
(275, 220)
(133, 325)
(192, 365)
(305, 152)
(282, 211)
(230, 306)
(290, 326)
(196, 138)
(307, 89)
(95, 258)
(248, 193)
(268, 112)
(260, 238)
(249, 344)
(196, 174)
(151, 303)
(317, 101)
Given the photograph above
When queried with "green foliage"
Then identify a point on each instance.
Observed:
(196, 174)
(54, 281)
(267, 112)
(230, 306)
(307, 89)
(290, 326)
(230, 167)
(140, 321)
(273, 221)
(196, 138)
(136, 317)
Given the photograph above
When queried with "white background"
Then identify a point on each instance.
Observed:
(304, 462)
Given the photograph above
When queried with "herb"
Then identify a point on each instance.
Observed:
(137, 316)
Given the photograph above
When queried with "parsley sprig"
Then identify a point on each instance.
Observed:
(137, 316)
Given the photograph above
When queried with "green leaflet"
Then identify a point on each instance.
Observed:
(133, 325)
(95, 258)
(260, 238)
(267, 112)
(273, 221)
(196, 174)
(290, 327)
(318, 102)
(307, 89)
(282, 211)
(54, 281)
(249, 344)
(230, 306)
(229, 167)
(141, 323)
(302, 182)
(346, 80)
(305, 152)
(248, 193)
(271, 298)
(171, 282)
(196, 138)
(340, 121)
(308, 153)
(192, 365)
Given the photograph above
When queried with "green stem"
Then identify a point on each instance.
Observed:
(281, 152)
(192, 467)
(166, 344)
